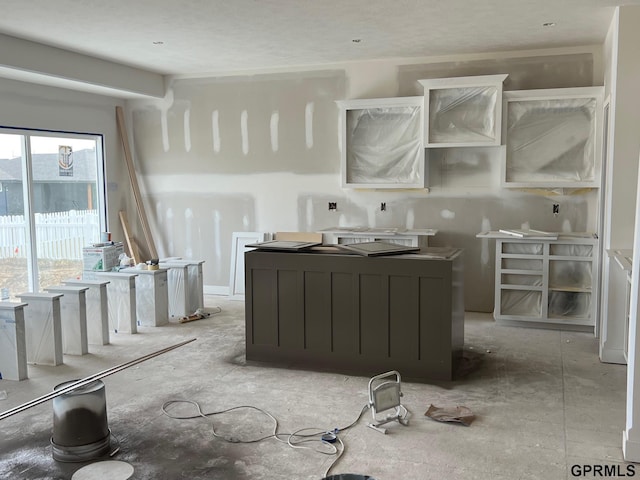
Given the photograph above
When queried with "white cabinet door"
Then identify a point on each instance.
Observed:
(382, 143)
(463, 111)
(553, 138)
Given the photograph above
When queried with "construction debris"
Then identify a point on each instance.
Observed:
(457, 414)
(198, 315)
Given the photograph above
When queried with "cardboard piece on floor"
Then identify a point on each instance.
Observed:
(458, 414)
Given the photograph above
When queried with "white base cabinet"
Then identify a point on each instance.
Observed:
(546, 282)
(410, 238)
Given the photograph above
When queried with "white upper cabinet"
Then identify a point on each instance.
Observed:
(382, 145)
(463, 111)
(553, 138)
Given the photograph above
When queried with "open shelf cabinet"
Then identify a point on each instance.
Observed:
(546, 282)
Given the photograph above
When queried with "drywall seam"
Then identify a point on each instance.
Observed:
(244, 131)
(217, 242)
(484, 242)
(309, 220)
(448, 214)
(215, 130)
(169, 230)
(411, 218)
(160, 223)
(273, 129)
(187, 130)
(308, 124)
(188, 235)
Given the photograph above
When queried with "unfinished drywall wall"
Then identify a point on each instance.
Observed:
(525, 73)
(242, 125)
(262, 153)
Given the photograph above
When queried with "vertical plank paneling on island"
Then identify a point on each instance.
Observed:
(317, 311)
(404, 320)
(265, 307)
(374, 317)
(344, 320)
(290, 309)
(434, 326)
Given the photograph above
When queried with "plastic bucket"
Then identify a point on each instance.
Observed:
(80, 429)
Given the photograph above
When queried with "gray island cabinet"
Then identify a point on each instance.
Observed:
(357, 314)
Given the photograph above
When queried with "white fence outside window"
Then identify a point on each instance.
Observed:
(60, 235)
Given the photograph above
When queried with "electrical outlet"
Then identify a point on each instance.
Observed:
(383, 206)
(556, 209)
(333, 205)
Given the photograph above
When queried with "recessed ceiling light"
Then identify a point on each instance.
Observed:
(549, 24)
(158, 42)
(356, 40)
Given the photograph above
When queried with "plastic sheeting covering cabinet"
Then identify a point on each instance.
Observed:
(43, 328)
(152, 303)
(73, 315)
(553, 138)
(13, 348)
(382, 143)
(121, 292)
(548, 282)
(463, 111)
(186, 284)
(460, 115)
(177, 282)
(195, 281)
(521, 302)
(97, 310)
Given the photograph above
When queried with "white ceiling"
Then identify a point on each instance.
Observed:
(209, 37)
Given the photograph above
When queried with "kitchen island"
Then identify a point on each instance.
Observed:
(348, 313)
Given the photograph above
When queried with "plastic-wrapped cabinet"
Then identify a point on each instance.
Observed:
(382, 143)
(13, 349)
(177, 276)
(73, 315)
(121, 293)
(152, 302)
(97, 309)
(553, 138)
(43, 328)
(463, 111)
(550, 282)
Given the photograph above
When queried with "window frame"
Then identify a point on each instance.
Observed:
(28, 187)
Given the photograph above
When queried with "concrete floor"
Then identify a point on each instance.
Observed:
(544, 403)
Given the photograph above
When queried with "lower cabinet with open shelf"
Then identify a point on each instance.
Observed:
(548, 282)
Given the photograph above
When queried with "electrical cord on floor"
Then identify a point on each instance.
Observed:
(296, 439)
(117, 447)
(208, 310)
